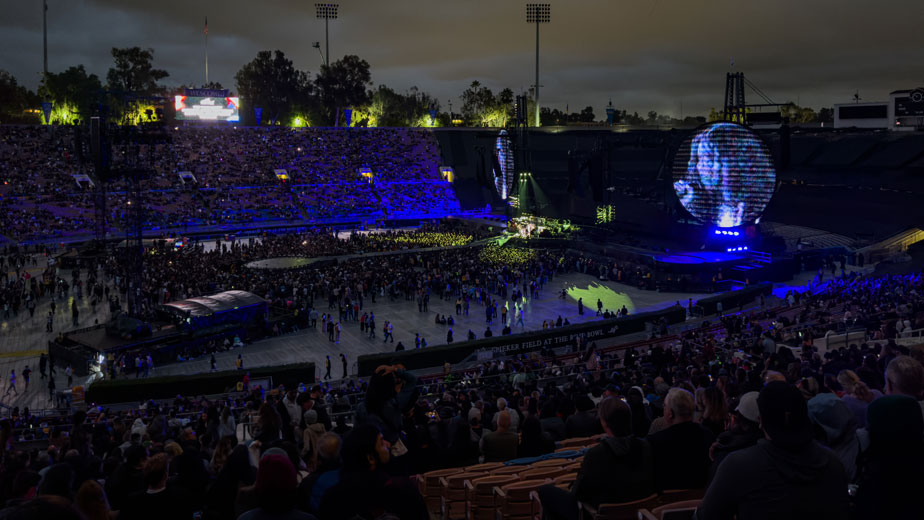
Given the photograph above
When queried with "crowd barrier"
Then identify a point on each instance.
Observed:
(519, 343)
(732, 299)
(130, 389)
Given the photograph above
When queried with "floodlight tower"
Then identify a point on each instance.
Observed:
(45, 39)
(327, 12)
(538, 14)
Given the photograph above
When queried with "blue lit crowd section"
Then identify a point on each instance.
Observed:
(212, 176)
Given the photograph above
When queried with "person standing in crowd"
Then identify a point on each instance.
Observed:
(12, 385)
(51, 389)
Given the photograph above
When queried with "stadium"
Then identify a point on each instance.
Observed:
(221, 305)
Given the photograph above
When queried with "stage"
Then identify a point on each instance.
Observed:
(701, 257)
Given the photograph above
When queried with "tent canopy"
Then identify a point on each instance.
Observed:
(214, 304)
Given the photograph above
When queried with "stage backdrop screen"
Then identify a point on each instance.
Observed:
(724, 175)
(194, 108)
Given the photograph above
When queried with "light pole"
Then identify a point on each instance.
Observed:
(45, 37)
(327, 12)
(538, 14)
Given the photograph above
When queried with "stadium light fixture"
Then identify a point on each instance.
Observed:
(327, 12)
(538, 14)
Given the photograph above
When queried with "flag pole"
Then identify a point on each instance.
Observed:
(206, 50)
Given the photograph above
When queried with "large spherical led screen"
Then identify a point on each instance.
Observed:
(723, 175)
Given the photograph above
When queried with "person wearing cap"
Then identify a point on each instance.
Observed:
(785, 475)
(890, 480)
(275, 490)
(743, 432)
(836, 428)
(681, 451)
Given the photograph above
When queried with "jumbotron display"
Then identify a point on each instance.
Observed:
(194, 108)
(724, 175)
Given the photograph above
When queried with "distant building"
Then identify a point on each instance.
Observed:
(903, 111)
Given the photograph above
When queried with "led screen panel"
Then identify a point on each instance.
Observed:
(194, 108)
(503, 165)
(724, 175)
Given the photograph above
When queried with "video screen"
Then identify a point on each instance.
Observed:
(192, 108)
(724, 175)
(503, 165)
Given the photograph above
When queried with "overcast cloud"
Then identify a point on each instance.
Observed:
(642, 54)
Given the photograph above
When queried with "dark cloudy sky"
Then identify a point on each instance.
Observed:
(644, 54)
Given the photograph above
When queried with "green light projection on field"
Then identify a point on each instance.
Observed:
(611, 299)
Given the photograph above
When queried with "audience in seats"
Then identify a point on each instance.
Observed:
(789, 442)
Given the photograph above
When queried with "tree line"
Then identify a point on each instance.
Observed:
(133, 91)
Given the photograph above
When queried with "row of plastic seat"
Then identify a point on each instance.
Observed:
(498, 491)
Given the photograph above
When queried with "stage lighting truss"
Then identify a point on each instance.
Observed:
(327, 11)
(538, 13)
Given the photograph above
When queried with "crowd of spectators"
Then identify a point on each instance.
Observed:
(234, 178)
(745, 409)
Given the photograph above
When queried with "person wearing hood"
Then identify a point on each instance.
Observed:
(744, 431)
(889, 475)
(785, 475)
(618, 469)
(313, 431)
(138, 427)
(836, 428)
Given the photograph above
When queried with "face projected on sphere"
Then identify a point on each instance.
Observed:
(723, 175)
(708, 165)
